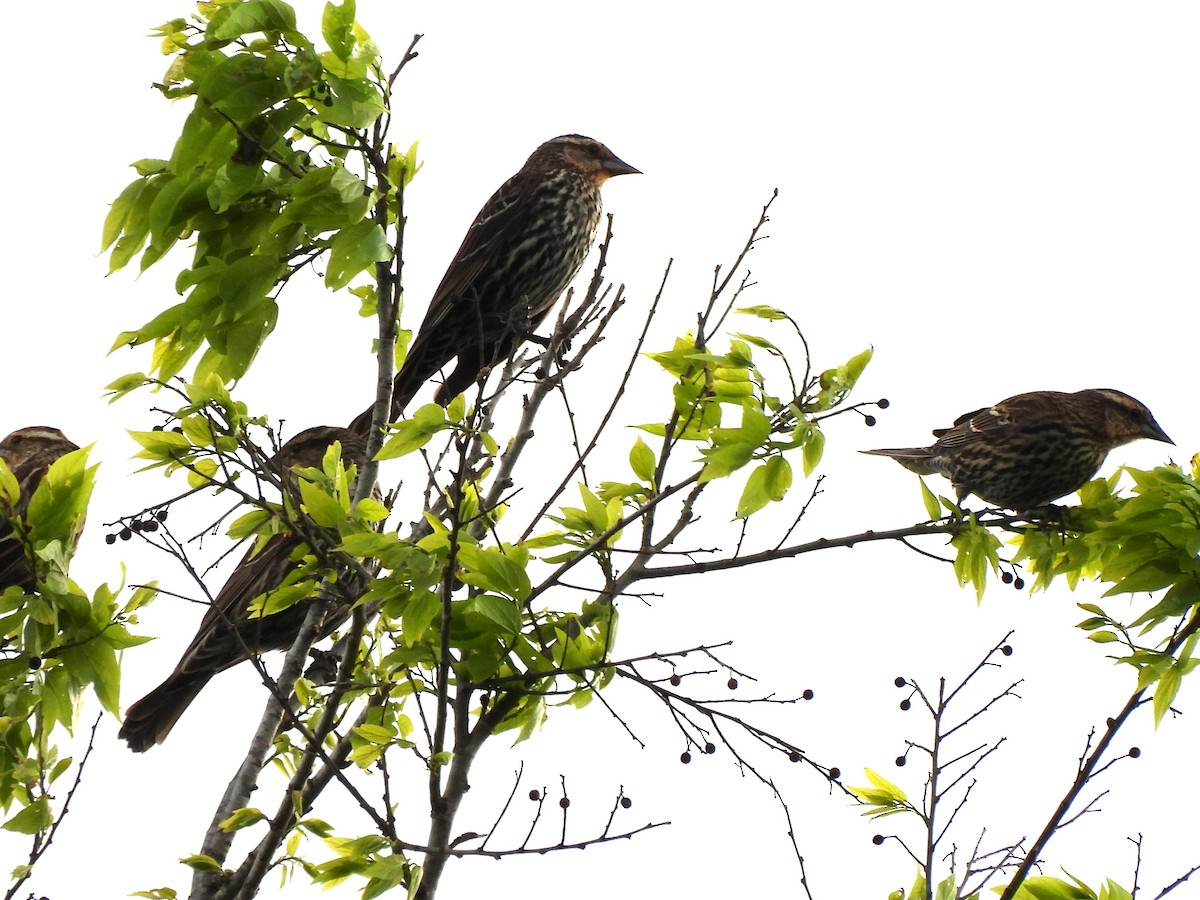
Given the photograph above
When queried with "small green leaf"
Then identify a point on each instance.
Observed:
(353, 249)
(1165, 692)
(242, 818)
(320, 506)
(933, 508)
(641, 460)
(419, 613)
(337, 27)
(35, 817)
(814, 449)
(201, 863)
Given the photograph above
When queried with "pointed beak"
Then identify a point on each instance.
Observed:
(614, 166)
(1154, 431)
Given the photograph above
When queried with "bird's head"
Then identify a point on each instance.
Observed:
(36, 444)
(308, 448)
(1127, 419)
(585, 155)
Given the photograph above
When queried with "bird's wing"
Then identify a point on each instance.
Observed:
(973, 427)
(14, 565)
(215, 646)
(498, 223)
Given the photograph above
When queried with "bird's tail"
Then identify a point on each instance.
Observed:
(150, 720)
(915, 459)
(414, 373)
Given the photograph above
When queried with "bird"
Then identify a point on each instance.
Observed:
(1031, 449)
(518, 256)
(228, 633)
(29, 453)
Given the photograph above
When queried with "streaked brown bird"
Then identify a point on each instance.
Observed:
(519, 255)
(1031, 449)
(228, 633)
(29, 453)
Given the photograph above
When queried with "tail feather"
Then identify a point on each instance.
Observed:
(150, 720)
(418, 368)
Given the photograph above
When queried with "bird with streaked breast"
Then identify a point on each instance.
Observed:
(229, 633)
(29, 453)
(1031, 449)
(521, 252)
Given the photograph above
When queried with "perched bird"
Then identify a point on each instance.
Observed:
(228, 634)
(518, 256)
(29, 453)
(1031, 449)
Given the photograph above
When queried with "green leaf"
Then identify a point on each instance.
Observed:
(249, 523)
(493, 570)
(354, 249)
(253, 16)
(1165, 692)
(322, 508)
(413, 434)
(762, 311)
(754, 494)
(814, 449)
(1046, 887)
(933, 508)
(200, 862)
(337, 27)
(242, 818)
(641, 460)
(419, 613)
(35, 817)
(504, 612)
(403, 167)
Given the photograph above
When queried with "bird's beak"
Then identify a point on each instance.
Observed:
(615, 166)
(1154, 431)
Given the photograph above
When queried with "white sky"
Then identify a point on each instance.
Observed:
(998, 198)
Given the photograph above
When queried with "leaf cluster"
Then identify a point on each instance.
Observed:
(257, 179)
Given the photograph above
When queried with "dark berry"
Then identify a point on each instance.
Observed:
(1135, 752)
(626, 803)
(808, 694)
(685, 757)
(564, 802)
(835, 773)
(535, 795)
(794, 756)
(869, 420)
(110, 539)
(906, 704)
(901, 681)
(1006, 650)
(877, 840)
(1006, 577)
(901, 760)
(884, 403)
(35, 663)
(675, 680)
(710, 748)
(731, 684)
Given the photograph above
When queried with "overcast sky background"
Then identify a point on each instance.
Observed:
(997, 198)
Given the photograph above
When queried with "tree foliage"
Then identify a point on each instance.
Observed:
(499, 604)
